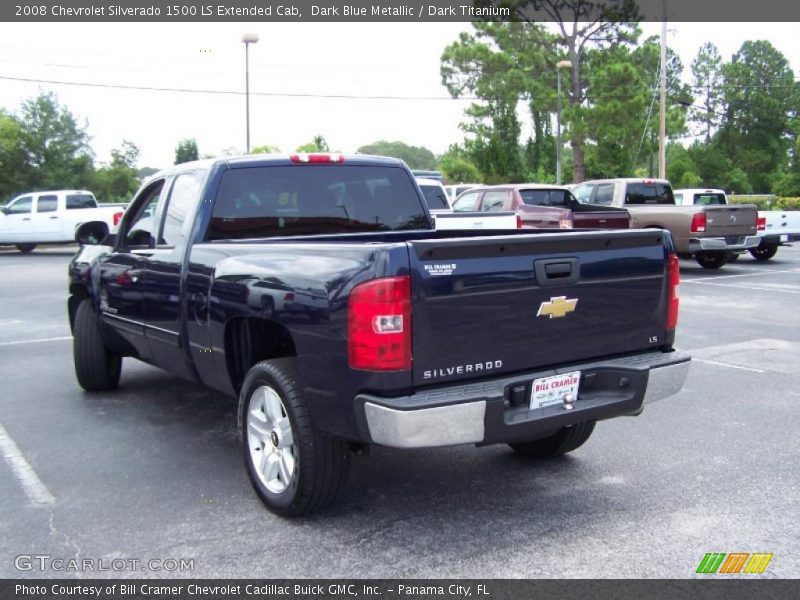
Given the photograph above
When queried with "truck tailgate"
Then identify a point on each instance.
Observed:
(489, 305)
(602, 218)
(730, 220)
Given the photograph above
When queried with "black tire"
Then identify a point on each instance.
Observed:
(711, 260)
(733, 257)
(763, 253)
(562, 441)
(96, 367)
(26, 248)
(320, 463)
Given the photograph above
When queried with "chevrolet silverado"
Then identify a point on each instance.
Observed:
(314, 289)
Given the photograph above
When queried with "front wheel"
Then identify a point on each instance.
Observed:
(96, 367)
(764, 253)
(711, 260)
(562, 441)
(293, 467)
(26, 248)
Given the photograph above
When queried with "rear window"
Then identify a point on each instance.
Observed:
(434, 196)
(707, 198)
(81, 201)
(314, 199)
(649, 193)
(560, 198)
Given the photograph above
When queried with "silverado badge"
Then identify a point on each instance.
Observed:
(557, 307)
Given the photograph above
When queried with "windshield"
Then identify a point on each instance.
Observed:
(314, 199)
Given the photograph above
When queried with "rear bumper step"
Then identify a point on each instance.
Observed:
(739, 242)
(486, 412)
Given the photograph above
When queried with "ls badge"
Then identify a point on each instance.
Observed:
(557, 307)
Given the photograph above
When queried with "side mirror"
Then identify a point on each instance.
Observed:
(91, 234)
(4, 210)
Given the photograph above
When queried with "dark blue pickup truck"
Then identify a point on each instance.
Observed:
(314, 289)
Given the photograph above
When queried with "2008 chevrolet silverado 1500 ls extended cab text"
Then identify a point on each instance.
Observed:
(315, 290)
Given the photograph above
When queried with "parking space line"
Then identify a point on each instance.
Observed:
(748, 274)
(36, 491)
(745, 287)
(724, 364)
(55, 339)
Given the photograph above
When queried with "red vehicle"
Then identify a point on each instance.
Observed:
(541, 206)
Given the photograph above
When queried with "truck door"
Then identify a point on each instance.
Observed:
(45, 220)
(165, 294)
(122, 282)
(16, 226)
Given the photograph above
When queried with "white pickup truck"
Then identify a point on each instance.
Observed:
(55, 217)
(775, 227)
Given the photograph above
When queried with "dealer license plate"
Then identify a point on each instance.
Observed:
(547, 391)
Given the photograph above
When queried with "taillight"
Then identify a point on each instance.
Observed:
(117, 218)
(565, 223)
(674, 280)
(761, 223)
(519, 222)
(379, 325)
(317, 158)
(698, 222)
(288, 297)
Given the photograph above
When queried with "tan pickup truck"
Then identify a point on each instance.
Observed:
(712, 233)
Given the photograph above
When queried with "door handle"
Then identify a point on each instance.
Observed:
(556, 271)
(26, 218)
(53, 218)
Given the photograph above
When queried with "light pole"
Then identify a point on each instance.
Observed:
(247, 39)
(562, 64)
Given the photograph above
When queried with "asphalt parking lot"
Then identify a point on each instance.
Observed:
(154, 469)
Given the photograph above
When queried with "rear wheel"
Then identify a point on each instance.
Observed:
(294, 468)
(711, 260)
(25, 248)
(763, 253)
(96, 367)
(733, 257)
(562, 441)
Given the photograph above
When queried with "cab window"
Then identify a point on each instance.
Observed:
(140, 229)
(20, 207)
(182, 199)
(583, 193)
(47, 203)
(605, 194)
(493, 201)
(466, 203)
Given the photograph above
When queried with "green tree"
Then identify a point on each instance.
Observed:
(15, 172)
(758, 96)
(56, 147)
(584, 28)
(186, 151)
(321, 143)
(266, 149)
(496, 64)
(707, 84)
(119, 180)
(416, 157)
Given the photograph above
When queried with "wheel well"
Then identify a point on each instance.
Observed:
(250, 340)
(77, 294)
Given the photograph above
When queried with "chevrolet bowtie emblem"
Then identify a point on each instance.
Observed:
(557, 307)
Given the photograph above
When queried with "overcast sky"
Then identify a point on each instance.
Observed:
(307, 59)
